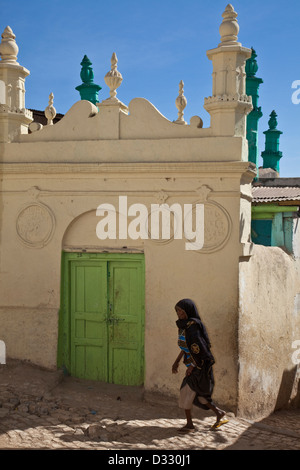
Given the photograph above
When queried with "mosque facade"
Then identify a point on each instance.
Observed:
(113, 213)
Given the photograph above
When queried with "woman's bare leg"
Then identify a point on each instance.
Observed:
(189, 421)
(189, 426)
(219, 413)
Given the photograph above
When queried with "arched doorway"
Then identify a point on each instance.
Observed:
(101, 324)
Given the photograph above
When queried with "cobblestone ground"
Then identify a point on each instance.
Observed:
(43, 410)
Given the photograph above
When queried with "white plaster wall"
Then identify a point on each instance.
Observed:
(31, 276)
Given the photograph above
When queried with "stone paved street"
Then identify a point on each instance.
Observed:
(45, 410)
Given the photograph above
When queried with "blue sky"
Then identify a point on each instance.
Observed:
(158, 43)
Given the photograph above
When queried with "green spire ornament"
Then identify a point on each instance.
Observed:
(88, 89)
(271, 155)
(252, 86)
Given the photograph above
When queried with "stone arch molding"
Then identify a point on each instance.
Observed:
(80, 234)
(35, 225)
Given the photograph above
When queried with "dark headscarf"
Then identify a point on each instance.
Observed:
(192, 313)
(189, 307)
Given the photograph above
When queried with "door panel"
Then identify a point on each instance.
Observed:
(126, 323)
(88, 319)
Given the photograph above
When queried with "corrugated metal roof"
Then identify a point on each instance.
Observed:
(275, 194)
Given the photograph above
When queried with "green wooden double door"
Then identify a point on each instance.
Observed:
(102, 317)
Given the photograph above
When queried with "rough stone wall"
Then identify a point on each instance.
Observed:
(269, 324)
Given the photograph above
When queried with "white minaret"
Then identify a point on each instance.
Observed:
(14, 118)
(229, 105)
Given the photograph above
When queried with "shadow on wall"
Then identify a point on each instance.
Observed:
(280, 430)
(286, 396)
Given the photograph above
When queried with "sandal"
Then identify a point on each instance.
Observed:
(219, 423)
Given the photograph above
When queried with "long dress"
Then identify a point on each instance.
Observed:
(196, 388)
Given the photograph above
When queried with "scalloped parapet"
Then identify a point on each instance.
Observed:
(111, 119)
(85, 121)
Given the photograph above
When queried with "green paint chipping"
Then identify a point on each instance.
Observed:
(267, 211)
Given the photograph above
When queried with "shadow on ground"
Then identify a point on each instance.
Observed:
(78, 412)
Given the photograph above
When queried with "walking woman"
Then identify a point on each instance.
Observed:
(198, 383)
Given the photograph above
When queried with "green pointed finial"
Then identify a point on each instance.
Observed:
(252, 86)
(251, 64)
(273, 120)
(88, 89)
(271, 155)
(86, 74)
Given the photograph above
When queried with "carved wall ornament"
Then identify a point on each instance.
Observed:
(203, 192)
(196, 121)
(8, 47)
(35, 225)
(229, 98)
(35, 126)
(241, 80)
(50, 111)
(113, 80)
(217, 227)
(34, 192)
(9, 89)
(229, 27)
(181, 103)
(162, 197)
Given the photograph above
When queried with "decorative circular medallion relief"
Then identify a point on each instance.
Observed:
(35, 225)
(217, 227)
